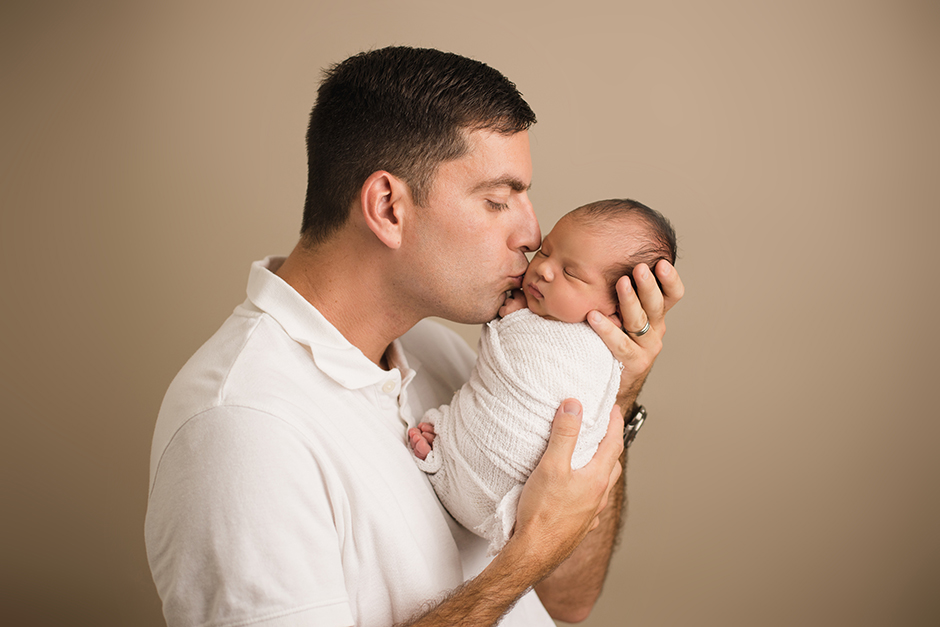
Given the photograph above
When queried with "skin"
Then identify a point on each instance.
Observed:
(395, 263)
(565, 281)
(454, 258)
(457, 267)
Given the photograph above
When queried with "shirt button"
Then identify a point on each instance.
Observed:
(388, 387)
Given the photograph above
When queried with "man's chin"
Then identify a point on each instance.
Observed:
(478, 315)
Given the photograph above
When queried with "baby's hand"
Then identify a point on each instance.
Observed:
(514, 302)
(421, 439)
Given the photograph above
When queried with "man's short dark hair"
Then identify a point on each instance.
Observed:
(657, 240)
(402, 110)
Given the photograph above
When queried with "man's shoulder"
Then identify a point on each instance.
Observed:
(248, 344)
(249, 363)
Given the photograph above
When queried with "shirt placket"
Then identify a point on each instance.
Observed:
(387, 397)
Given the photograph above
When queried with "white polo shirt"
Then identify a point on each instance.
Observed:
(282, 488)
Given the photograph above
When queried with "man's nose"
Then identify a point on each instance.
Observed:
(528, 235)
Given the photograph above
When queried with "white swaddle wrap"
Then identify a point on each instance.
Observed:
(493, 433)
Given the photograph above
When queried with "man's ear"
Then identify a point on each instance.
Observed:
(383, 197)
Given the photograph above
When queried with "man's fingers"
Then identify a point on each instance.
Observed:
(608, 455)
(565, 429)
(631, 311)
(611, 483)
(651, 297)
(613, 336)
(673, 289)
(647, 304)
(611, 446)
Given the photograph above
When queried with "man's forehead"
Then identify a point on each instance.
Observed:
(503, 160)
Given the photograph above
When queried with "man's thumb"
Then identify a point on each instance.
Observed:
(565, 428)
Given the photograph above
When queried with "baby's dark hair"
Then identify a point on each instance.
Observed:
(653, 241)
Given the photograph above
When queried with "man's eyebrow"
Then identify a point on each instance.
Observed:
(507, 181)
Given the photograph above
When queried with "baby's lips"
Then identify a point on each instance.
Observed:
(534, 291)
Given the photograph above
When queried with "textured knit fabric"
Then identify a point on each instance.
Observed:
(493, 433)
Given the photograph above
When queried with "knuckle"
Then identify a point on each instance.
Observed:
(599, 484)
(566, 427)
(623, 345)
(567, 431)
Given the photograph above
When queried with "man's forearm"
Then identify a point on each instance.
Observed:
(485, 599)
(571, 591)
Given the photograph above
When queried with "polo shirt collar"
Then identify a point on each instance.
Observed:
(331, 351)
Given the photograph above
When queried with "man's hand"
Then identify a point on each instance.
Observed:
(570, 591)
(647, 304)
(557, 509)
(559, 506)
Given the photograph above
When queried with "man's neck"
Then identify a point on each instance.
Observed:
(350, 291)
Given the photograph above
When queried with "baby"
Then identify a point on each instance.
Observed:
(479, 450)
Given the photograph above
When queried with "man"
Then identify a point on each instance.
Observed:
(283, 491)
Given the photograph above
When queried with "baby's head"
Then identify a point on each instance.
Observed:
(576, 269)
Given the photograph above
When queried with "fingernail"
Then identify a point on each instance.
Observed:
(666, 269)
(595, 317)
(571, 407)
(644, 272)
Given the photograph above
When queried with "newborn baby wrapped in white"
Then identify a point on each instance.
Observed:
(493, 433)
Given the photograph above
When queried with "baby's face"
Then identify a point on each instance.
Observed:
(565, 279)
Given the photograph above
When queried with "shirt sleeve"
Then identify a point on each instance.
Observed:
(240, 526)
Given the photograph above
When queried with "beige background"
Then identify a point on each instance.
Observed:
(787, 474)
